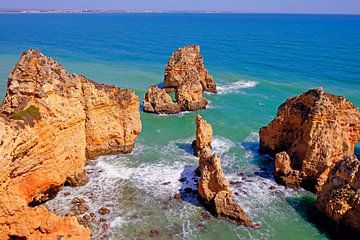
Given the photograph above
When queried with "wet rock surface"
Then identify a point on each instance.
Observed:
(310, 133)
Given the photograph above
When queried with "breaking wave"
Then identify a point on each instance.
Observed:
(234, 87)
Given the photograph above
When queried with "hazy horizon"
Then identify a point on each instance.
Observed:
(239, 6)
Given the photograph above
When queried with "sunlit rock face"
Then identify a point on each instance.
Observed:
(186, 65)
(315, 130)
(51, 122)
(213, 188)
(186, 75)
(338, 201)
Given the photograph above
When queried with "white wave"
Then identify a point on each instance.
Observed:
(253, 137)
(221, 145)
(234, 87)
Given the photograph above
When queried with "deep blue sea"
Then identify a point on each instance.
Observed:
(258, 61)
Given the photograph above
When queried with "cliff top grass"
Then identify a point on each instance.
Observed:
(28, 115)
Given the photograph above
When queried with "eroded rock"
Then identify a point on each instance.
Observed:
(338, 201)
(186, 65)
(50, 122)
(315, 129)
(156, 100)
(185, 74)
(213, 188)
(189, 96)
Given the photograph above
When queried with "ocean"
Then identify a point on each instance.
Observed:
(258, 61)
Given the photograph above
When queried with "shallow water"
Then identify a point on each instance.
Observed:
(258, 62)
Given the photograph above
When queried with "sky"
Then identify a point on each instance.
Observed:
(249, 6)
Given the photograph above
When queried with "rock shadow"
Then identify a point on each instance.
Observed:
(264, 161)
(304, 205)
(189, 185)
(188, 148)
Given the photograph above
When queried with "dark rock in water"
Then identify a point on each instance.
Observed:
(78, 179)
(205, 215)
(79, 206)
(166, 183)
(200, 225)
(102, 220)
(177, 196)
(272, 187)
(310, 133)
(183, 179)
(188, 190)
(67, 193)
(104, 211)
(154, 233)
(105, 226)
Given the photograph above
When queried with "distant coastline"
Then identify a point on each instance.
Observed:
(94, 11)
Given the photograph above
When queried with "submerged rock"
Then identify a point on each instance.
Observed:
(186, 65)
(213, 188)
(314, 130)
(338, 201)
(51, 122)
(186, 75)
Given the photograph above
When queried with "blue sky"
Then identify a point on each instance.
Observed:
(268, 6)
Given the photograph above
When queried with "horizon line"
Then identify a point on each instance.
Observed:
(89, 11)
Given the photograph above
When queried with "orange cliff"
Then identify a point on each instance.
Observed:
(310, 133)
(50, 123)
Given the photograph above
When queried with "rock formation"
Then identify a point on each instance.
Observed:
(311, 132)
(213, 189)
(185, 74)
(186, 65)
(156, 100)
(51, 122)
(338, 201)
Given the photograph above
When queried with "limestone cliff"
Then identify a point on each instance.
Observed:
(338, 201)
(314, 131)
(213, 188)
(50, 123)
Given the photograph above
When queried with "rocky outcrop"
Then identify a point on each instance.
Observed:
(51, 122)
(338, 201)
(312, 132)
(213, 188)
(156, 100)
(185, 74)
(186, 65)
(189, 96)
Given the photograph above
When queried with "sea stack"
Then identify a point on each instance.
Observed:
(310, 133)
(338, 202)
(213, 189)
(51, 122)
(186, 75)
(187, 65)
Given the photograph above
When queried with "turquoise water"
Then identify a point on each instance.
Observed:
(258, 62)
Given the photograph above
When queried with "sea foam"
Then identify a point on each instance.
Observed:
(234, 87)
